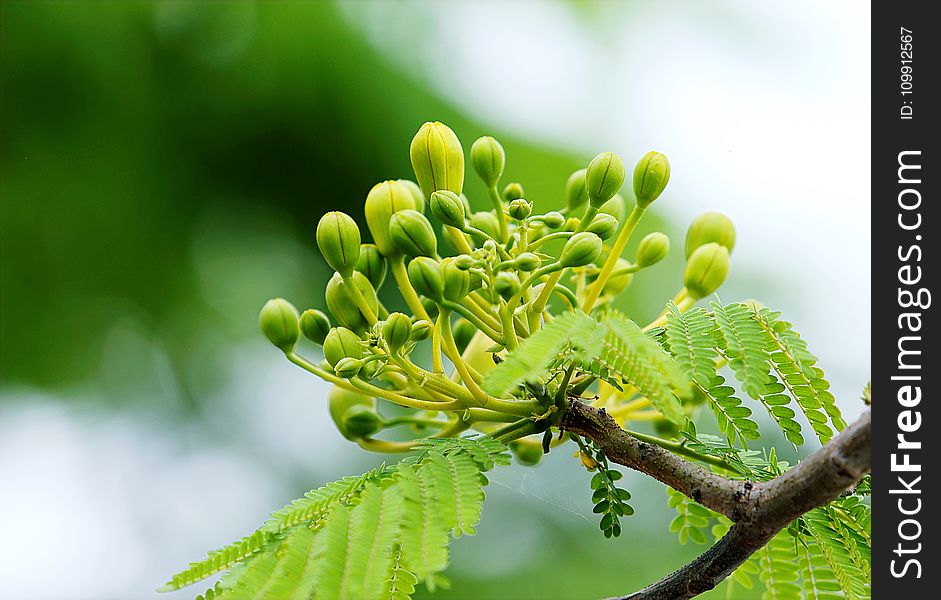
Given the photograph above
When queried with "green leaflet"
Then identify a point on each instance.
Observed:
(777, 569)
(732, 418)
(745, 346)
(371, 537)
(692, 521)
(692, 340)
(530, 361)
(817, 579)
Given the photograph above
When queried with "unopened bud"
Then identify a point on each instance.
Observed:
(527, 261)
(359, 422)
(553, 219)
(464, 262)
(651, 176)
(314, 325)
(415, 192)
(603, 225)
(426, 278)
(618, 282)
(341, 400)
(437, 159)
(341, 343)
(581, 249)
(519, 209)
(706, 270)
(487, 222)
(338, 240)
(372, 264)
(412, 234)
(384, 200)
(488, 158)
(604, 177)
(347, 368)
(507, 284)
(456, 280)
(448, 208)
(343, 306)
(513, 191)
(616, 207)
(396, 330)
(528, 452)
(575, 193)
(278, 321)
(463, 331)
(652, 249)
(710, 227)
(421, 329)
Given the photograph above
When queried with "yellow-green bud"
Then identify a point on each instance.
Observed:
(426, 278)
(437, 159)
(341, 304)
(519, 209)
(710, 227)
(527, 261)
(359, 422)
(421, 329)
(489, 159)
(341, 343)
(463, 331)
(396, 330)
(706, 270)
(412, 234)
(604, 177)
(338, 239)
(278, 321)
(456, 280)
(415, 191)
(384, 200)
(487, 222)
(528, 452)
(575, 193)
(448, 208)
(341, 400)
(581, 249)
(652, 249)
(651, 176)
(507, 284)
(615, 207)
(314, 325)
(571, 224)
(347, 368)
(512, 191)
(372, 264)
(464, 262)
(603, 225)
(553, 219)
(618, 283)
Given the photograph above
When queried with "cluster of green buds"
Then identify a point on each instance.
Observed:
(508, 270)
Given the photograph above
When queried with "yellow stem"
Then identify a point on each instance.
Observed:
(594, 291)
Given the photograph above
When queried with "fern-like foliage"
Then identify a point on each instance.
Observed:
(369, 537)
(745, 346)
(778, 571)
(692, 521)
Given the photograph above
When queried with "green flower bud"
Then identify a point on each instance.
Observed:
(437, 159)
(604, 177)
(341, 400)
(603, 225)
(706, 270)
(341, 343)
(528, 452)
(463, 331)
(513, 191)
(430, 306)
(652, 249)
(343, 307)
(581, 249)
(620, 282)
(415, 191)
(372, 264)
(426, 278)
(487, 222)
(489, 159)
(278, 321)
(421, 329)
(464, 262)
(507, 284)
(384, 200)
(571, 224)
(527, 261)
(710, 227)
(456, 280)
(314, 325)
(448, 208)
(396, 331)
(359, 422)
(651, 176)
(553, 219)
(412, 234)
(519, 209)
(575, 193)
(616, 207)
(338, 239)
(348, 368)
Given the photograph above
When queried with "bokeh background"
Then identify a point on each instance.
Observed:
(164, 165)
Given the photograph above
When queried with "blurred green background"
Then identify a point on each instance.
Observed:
(163, 168)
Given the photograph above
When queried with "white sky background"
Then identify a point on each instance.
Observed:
(762, 107)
